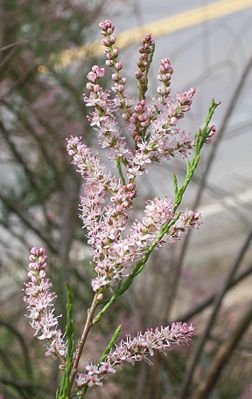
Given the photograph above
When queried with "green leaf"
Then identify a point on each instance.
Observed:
(110, 344)
(175, 184)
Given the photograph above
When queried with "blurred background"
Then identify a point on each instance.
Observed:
(46, 50)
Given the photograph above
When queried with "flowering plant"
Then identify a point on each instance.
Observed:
(120, 252)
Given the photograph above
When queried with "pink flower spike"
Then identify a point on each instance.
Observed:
(40, 308)
(164, 76)
(141, 347)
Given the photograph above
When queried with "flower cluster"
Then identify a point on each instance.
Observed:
(102, 118)
(89, 165)
(106, 200)
(40, 307)
(153, 127)
(133, 350)
(186, 220)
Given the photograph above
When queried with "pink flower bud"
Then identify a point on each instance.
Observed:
(112, 40)
(100, 297)
(109, 63)
(106, 42)
(115, 77)
(115, 52)
(89, 86)
(92, 76)
(96, 88)
(173, 120)
(118, 66)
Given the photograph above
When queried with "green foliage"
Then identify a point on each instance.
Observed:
(191, 166)
(62, 393)
(111, 343)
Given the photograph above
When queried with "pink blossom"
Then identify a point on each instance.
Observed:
(89, 165)
(106, 201)
(103, 118)
(186, 220)
(165, 142)
(132, 350)
(121, 253)
(40, 307)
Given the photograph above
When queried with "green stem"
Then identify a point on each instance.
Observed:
(119, 168)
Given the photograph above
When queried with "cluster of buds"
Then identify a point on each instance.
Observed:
(40, 307)
(164, 76)
(153, 128)
(107, 30)
(113, 253)
(165, 142)
(131, 350)
(146, 52)
(184, 102)
(139, 121)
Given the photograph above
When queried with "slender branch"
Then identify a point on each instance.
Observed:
(223, 355)
(22, 385)
(11, 230)
(88, 325)
(210, 300)
(12, 207)
(18, 156)
(31, 177)
(217, 304)
(41, 145)
(23, 346)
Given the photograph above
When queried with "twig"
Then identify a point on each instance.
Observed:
(18, 156)
(21, 385)
(223, 355)
(217, 304)
(210, 300)
(12, 207)
(23, 345)
(87, 327)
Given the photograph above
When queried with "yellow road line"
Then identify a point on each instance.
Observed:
(158, 28)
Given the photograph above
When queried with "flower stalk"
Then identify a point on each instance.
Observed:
(120, 251)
